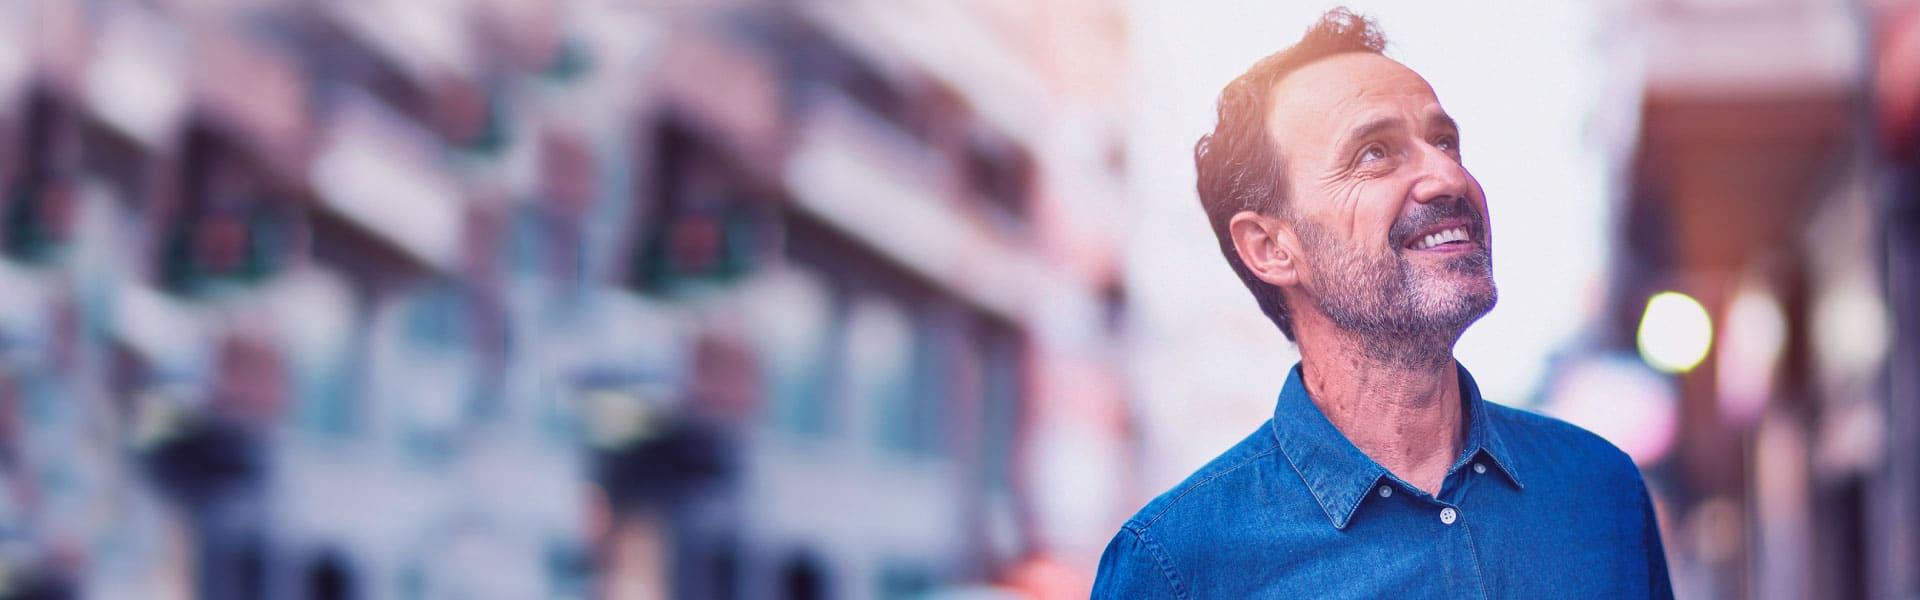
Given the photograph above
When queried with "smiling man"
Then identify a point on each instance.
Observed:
(1335, 185)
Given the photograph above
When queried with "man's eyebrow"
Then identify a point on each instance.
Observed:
(1383, 124)
(1367, 130)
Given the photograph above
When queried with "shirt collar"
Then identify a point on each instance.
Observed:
(1483, 438)
(1338, 474)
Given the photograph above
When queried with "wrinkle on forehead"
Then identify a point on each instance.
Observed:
(1313, 105)
(1316, 107)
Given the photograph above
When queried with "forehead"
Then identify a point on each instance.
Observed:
(1316, 102)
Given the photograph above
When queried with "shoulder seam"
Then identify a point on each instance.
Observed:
(1160, 559)
(1513, 413)
(1202, 483)
(1521, 416)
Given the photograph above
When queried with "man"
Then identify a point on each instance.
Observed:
(1334, 183)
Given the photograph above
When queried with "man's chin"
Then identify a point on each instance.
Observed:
(1459, 277)
(1460, 304)
(1469, 307)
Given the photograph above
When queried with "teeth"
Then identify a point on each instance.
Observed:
(1451, 235)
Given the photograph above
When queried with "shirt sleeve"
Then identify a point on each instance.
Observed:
(1660, 583)
(1132, 567)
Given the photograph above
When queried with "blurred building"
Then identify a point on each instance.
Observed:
(1765, 184)
(470, 298)
(758, 299)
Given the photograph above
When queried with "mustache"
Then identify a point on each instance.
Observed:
(1428, 214)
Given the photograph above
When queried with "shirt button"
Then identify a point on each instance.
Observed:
(1479, 468)
(1386, 491)
(1447, 515)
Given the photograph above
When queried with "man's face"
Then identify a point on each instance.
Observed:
(1392, 226)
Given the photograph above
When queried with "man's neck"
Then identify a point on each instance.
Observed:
(1405, 415)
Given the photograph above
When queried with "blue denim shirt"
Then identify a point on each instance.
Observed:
(1533, 508)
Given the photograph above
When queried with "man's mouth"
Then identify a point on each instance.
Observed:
(1451, 236)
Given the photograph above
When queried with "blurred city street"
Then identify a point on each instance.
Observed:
(882, 299)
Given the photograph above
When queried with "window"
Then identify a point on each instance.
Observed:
(230, 228)
(797, 319)
(1001, 404)
(1001, 173)
(704, 226)
(39, 211)
(900, 580)
(894, 373)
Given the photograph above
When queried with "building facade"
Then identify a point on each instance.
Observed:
(544, 299)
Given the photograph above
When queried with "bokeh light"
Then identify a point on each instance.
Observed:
(1675, 332)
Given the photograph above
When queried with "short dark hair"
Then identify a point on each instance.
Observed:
(1239, 164)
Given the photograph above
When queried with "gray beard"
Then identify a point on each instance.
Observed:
(1398, 315)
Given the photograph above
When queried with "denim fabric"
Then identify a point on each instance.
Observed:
(1533, 508)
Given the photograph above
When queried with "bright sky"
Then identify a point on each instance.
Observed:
(1539, 103)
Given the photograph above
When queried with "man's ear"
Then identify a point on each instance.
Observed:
(1267, 246)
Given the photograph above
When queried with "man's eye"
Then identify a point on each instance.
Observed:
(1372, 153)
(1448, 143)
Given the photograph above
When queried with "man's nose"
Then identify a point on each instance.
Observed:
(1441, 177)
